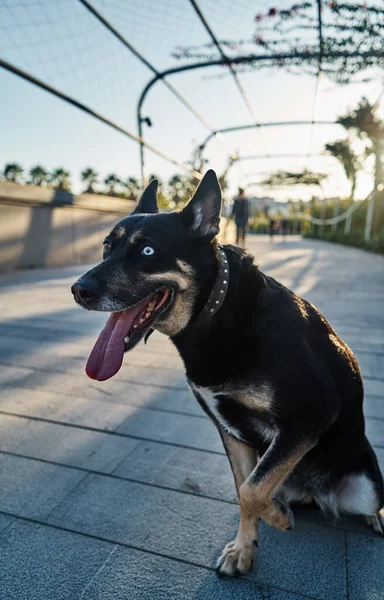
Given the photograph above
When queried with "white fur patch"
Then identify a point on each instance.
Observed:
(212, 402)
(358, 495)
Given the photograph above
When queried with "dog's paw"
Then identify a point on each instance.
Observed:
(376, 522)
(236, 559)
(280, 516)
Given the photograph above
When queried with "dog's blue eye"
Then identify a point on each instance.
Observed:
(106, 250)
(147, 251)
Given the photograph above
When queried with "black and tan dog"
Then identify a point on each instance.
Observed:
(283, 389)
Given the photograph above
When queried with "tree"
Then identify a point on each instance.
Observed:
(90, 177)
(342, 151)
(111, 181)
(180, 189)
(153, 176)
(369, 127)
(60, 179)
(12, 172)
(133, 188)
(38, 175)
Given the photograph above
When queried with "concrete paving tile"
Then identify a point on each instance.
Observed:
(132, 575)
(375, 431)
(309, 560)
(5, 521)
(96, 406)
(178, 525)
(365, 567)
(195, 529)
(131, 393)
(181, 469)
(177, 429)
(374, 406)
(374, 387)
(32, 489)
(41, 563)
(67, 445)
(79, 384)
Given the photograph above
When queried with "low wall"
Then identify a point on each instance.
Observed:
(42, 227)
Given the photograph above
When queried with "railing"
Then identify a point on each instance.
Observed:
(345, 216)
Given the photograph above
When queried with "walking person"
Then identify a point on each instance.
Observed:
(272, 225)
(240, 212)
(284, 229)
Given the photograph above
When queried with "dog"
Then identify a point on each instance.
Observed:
(283, 389)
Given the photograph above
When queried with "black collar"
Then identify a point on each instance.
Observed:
(219, 290)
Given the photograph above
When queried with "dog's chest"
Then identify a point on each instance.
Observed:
(242, 419)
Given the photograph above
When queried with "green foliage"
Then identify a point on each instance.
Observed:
(12, 172)
(60, 179)
(364, 121)
(38, 175)
(180, 188)
(286, 178)
(90, 176)
(350, 33)
(356, 235)
(111, 181)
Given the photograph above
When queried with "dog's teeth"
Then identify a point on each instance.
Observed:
(142, 321)
(126, 339)
(148, 314)
(135, 326)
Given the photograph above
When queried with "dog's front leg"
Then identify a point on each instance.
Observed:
(257, 501)
(242, 457)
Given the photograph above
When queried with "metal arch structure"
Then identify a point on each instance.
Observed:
(224, 130)
(231, 68)
(250, 58)
(151, 67)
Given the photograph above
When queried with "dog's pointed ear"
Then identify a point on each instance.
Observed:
(148, 201)
(202, 213)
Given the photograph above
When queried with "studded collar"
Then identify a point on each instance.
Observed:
(219, 290)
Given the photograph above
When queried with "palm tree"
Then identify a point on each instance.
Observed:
(368, 126)
(89, 176)
(12, 172)
(60, 179)
(111, 181)
(181, 188)
(133, 188)
(38, 175)
(153, 176)
(342, 151)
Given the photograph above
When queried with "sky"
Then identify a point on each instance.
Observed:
(60, 42)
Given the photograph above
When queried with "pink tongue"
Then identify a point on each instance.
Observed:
(107, 355)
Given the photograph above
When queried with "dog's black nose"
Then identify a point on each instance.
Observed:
(84, 290)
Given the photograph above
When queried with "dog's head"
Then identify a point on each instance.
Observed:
(153, 270)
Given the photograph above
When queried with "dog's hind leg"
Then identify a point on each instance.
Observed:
(363, 493)
(257, 501)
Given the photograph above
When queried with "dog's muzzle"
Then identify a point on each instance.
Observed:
(85, 290)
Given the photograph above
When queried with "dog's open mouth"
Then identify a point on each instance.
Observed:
(122, 332)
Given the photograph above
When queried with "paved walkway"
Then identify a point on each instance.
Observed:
(121, 490)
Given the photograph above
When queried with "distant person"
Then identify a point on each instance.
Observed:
(240, 212)
(284, 228)
(272, 226)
